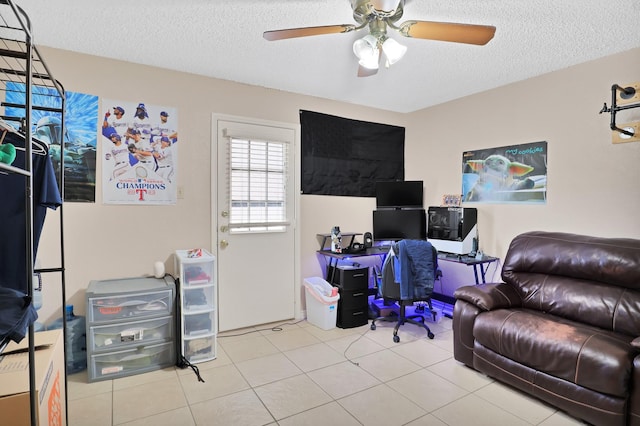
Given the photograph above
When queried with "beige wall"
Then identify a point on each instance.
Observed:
(592, 183)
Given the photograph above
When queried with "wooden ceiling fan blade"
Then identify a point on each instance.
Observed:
(307, 31)
(446, 31)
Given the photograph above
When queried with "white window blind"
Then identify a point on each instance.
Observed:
(257, 190)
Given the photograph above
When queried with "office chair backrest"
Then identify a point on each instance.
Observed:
(411, 273)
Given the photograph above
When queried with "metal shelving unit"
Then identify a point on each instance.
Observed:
(27, 85)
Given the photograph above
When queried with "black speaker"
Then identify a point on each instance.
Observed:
(368, 240)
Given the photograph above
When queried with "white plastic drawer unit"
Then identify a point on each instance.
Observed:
(135, 333)
(197, 270)
(199, 348)
(197, 298)
(196, 325)
(131, 361)
(130, 306)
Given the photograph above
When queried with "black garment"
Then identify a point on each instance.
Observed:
(12, 213)
(16, 313)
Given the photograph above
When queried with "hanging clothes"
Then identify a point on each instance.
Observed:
(16, 313)
(13, 262)
(419, 263)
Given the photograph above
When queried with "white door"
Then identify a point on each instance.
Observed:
(254, 222)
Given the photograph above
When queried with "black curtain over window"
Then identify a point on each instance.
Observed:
(341, 156)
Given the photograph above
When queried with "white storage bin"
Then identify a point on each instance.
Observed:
(322, 308)
(199, 349)
(198, 324)
(196, 270)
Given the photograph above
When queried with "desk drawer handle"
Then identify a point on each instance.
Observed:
(358, 275)
(358, 294)
(358, 313)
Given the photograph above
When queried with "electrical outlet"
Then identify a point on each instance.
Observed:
(180, 192)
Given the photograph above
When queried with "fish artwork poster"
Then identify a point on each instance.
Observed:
(515, 174)
(139, 153)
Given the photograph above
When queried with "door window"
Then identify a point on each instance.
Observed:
(257, 186)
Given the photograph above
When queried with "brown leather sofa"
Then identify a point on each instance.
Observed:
(564, 325)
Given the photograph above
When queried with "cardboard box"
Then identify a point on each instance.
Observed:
(50, 391)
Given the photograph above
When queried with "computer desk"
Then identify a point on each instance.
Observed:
(483, 263)
(480, 266)
(332, 259)
(446, 302)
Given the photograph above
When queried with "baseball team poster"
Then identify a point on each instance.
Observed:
(79, 139)
(139, 153)
(508, 174)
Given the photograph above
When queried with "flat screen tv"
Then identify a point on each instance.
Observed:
(396, 225)
(399, 194)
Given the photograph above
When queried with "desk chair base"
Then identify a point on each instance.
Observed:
(403, 318)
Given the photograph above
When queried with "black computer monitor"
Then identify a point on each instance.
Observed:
(395, 225)
(399, 194)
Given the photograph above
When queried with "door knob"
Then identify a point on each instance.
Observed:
(224, 213)
(224, 243)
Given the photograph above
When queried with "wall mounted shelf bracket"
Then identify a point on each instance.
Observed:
(624, 98)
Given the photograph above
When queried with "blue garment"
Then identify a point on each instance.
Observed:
(13, 257)
(419, 263)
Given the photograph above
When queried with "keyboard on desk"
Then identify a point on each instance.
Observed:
(464, 258)
(378, 249)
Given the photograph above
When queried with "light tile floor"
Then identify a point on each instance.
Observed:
(294, 374)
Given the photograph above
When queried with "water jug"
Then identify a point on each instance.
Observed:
(336, 240)
(76, 345)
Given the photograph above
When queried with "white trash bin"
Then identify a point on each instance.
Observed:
(322, 308)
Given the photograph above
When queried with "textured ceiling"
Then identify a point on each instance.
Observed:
(223, 39)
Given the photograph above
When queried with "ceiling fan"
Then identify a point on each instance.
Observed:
(380, 15)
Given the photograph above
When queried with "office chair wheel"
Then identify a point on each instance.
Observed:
(373, 326)
(396, 338)
(430, 335)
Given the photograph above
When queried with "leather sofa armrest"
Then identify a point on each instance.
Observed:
(489, 296)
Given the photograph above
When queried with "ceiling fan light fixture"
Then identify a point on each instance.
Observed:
(393, 50)
(370, 63)
(366, 50)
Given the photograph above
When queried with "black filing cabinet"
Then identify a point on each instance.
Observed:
(353, 305)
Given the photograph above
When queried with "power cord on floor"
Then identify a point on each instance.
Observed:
(279, 328)
(274, 328)
(347, 348)
(184, 363)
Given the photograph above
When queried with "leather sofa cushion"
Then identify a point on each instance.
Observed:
(587, 356)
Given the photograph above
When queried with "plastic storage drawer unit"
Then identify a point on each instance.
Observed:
(129, 306)
(349, 277)
(197, 304)
(130, 326)
(147, 331)
(198, 349)
(131, 361)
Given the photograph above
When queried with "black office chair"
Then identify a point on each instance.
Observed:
(390, 290)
